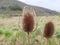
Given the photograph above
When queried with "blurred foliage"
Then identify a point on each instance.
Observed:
(14, 35)
(3, 7)
(57, 34)
(15, 8)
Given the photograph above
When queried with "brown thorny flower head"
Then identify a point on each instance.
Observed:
(28, 21)
(49, 30)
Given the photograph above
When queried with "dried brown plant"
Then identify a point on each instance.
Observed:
(28, 22)
(49, 30)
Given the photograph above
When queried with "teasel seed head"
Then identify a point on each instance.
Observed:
(49, 30)
(28, 21)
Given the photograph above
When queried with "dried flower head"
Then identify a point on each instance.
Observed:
(28, 21)
(49, 30)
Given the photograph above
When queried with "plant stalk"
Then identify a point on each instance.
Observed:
(28, 38)
(47, 41)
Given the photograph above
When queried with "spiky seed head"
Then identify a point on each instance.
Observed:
(49, 30)
(28, 21)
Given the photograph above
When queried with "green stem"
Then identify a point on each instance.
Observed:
(59, 41)
(47, 42)
(28, 38)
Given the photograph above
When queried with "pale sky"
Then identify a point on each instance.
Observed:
(50, 4)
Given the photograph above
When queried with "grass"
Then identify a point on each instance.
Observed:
(11, 34)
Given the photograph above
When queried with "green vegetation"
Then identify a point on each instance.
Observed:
(12, 8)
(15, 8)
(11, 34)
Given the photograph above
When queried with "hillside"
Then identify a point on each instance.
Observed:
(39, 10)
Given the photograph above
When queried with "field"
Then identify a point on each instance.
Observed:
(11, 32)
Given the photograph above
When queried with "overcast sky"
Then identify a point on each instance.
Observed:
(50, 4)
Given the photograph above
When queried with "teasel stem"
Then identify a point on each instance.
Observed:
(19, 23)
(47, 41)
(59, 41)
(28, 38)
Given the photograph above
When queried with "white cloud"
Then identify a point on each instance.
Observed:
(33, 1)
(55, 5)
(51, 4)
